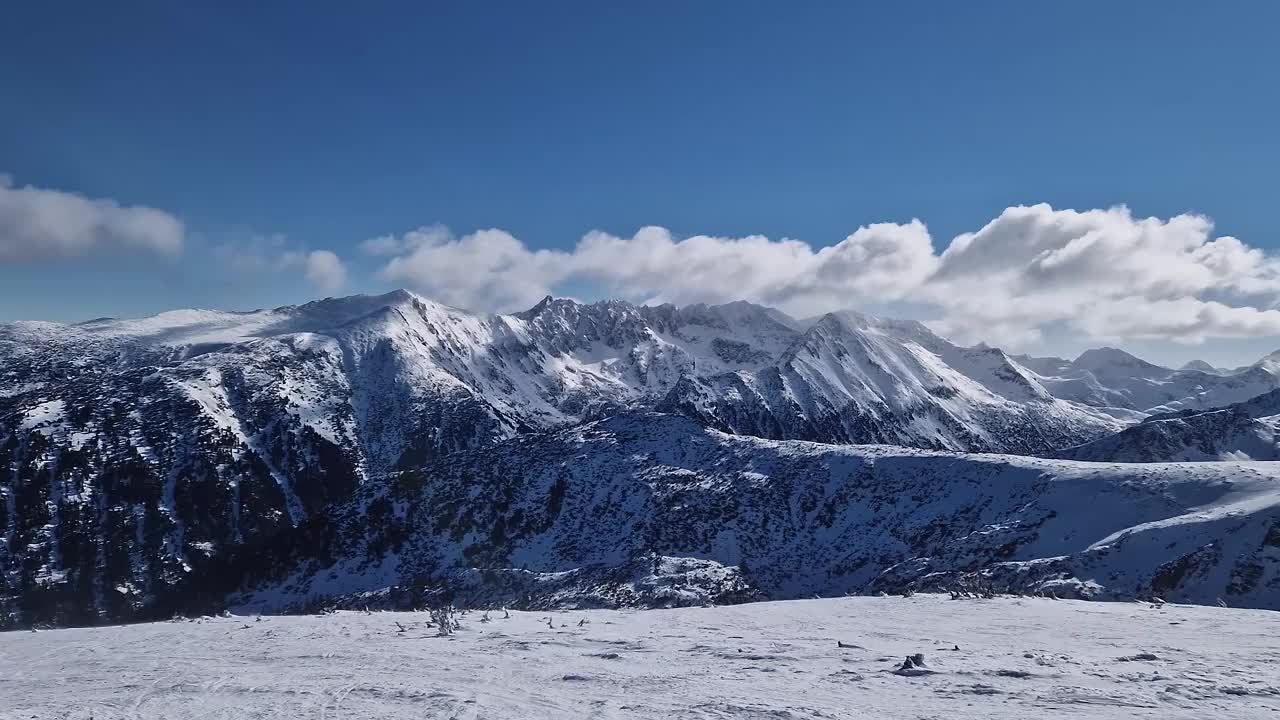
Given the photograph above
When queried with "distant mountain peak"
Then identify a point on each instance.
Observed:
(536, 309)
(1104, 357)
(1199, 366)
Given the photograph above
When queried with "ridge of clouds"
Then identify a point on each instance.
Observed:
(41, 224)
(1101, 274)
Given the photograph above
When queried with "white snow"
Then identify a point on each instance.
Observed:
(834, 658)
(43, 415)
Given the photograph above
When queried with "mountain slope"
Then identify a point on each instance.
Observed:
(656, 510)
(1243, 431)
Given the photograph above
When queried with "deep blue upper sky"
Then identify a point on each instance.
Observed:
(331, 125)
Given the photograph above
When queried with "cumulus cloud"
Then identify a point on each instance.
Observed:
(397, 245)
(491, 269)
(1099, 274)
(488, 269)
(37, 224)
(1106, 275)
(322, 269)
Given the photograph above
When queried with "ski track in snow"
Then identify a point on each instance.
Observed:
(1016, 658)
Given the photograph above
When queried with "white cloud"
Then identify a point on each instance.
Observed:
(1104, 275)
(391, 245)
(1096, 274)
(486, 269)
(36, 223)
(382, 245)
(322, 269)
(490, 269)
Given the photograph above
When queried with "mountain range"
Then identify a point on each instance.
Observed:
(157, 465)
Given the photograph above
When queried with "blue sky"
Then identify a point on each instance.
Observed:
(270, 133)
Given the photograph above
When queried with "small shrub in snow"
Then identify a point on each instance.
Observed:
(444, 620)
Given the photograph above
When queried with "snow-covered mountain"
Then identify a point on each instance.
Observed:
(1241, 431)
(1132, 387)
(1203, 366)
(655, 509)
(140, 454)
(851, 378)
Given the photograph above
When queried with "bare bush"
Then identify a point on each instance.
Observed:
(445, 621)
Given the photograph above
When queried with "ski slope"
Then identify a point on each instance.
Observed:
(1002, 658)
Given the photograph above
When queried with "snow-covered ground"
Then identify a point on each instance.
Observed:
(834, 658)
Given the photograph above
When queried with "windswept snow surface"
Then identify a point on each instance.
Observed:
(834, 658)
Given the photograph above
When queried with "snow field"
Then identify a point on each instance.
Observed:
(832, 658)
